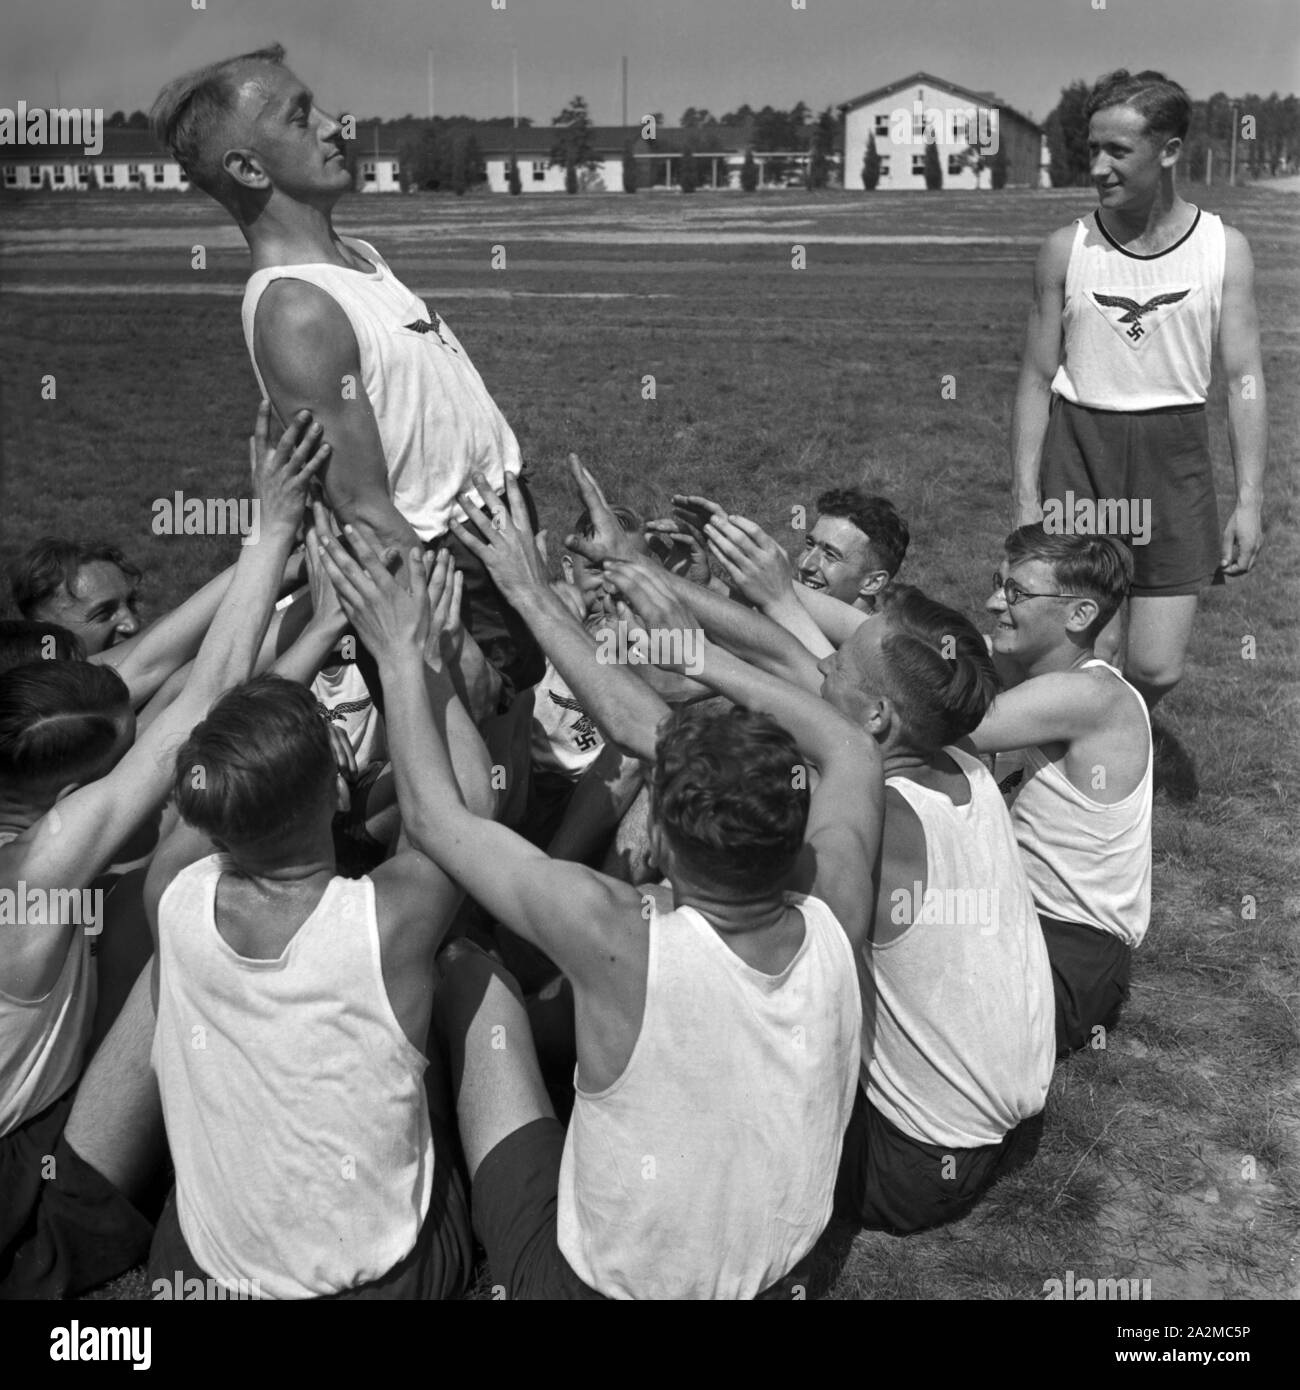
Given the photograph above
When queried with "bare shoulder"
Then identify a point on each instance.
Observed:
(1236, 251)
(293, 310)
(1054, 254)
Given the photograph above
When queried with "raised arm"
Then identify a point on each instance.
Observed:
(625, 708)
(306, 351)
(760, 571)
(1037, 368)
(80, 835)
(1243, 369)
(842, 839)
(1055, 708)
(558, 906)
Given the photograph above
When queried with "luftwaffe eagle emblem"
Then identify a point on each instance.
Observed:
(1134, 311)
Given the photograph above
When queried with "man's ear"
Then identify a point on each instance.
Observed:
(1083, 613)
(873, 583)
(1172, 149)
(245, 168)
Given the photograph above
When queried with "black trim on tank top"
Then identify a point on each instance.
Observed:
(1155, 255)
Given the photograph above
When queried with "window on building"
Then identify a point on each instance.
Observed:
(133, 173)
(159, 173)
(918, 164)
(182, 176)
(884, 166)
(368, 171)
(107, 174)
(882, 124)
(539, 171)
(959, 129)
(11, 176)
(60, 176)
(33, 174)
(83, 173)
(955, 164)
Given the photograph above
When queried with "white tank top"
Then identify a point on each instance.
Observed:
(706, 1170)
(294, 1102)
(1138, 332)
(344, 698)
(43, 1041)
(959, 1024)
(436, 420)
(1087, 862)
(564, 736)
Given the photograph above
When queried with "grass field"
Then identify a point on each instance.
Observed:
(1169, 1156)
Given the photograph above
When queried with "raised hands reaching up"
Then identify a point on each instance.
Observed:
(282, 470)
(387, 617)
(506, 543)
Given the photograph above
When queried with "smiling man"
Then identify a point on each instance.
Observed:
(331, 329)
(1082, 813)
(1128, 306)
(855, 547)
(92, 590)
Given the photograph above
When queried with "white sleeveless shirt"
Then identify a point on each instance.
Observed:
(294, 1102)
(959, 1023)
(1087, 862)
(43, 1041)
(1138, 332)
(436, 420)
(706, 1171)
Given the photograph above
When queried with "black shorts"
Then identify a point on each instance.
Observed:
(516, 1205)
(1158, 458)
(436, 1267)
(1090, 977)
(64, 1228)
(891, 1182)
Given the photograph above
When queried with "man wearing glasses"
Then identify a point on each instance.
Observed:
(1082, 814)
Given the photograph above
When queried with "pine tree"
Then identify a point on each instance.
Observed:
(871, 164)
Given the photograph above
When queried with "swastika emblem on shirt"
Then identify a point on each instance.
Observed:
(1136, 320)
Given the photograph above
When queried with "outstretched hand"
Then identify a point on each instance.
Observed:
(609, 540)
(282, 471)
(388, 618)
(755, 564)
(505, 543)
(648, 597)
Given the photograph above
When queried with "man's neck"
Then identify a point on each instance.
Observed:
(1067, 657)
(291, 233)
(731, 916)
(1152, 225)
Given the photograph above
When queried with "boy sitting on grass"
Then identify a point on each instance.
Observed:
(1082, 813)
(294, 1004)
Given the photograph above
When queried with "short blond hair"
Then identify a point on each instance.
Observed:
(190, 109)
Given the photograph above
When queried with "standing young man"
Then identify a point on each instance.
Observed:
(331, 329)
(1109, 429)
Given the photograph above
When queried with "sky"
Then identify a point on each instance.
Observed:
(371, 58)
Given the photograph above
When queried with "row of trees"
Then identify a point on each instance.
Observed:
(1268, 136)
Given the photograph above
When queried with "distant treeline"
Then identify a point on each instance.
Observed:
(1268, 137)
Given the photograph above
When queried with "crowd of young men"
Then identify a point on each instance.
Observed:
(635, 922)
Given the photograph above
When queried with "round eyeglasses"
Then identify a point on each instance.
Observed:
(1014, 594)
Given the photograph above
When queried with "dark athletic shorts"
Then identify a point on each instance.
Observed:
(516, 1206)
(436, 1267)
(1090, 976)
(1160, 458)
(891, 1182)
(64, 1228)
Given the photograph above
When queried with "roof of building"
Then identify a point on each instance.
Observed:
(926, 79)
